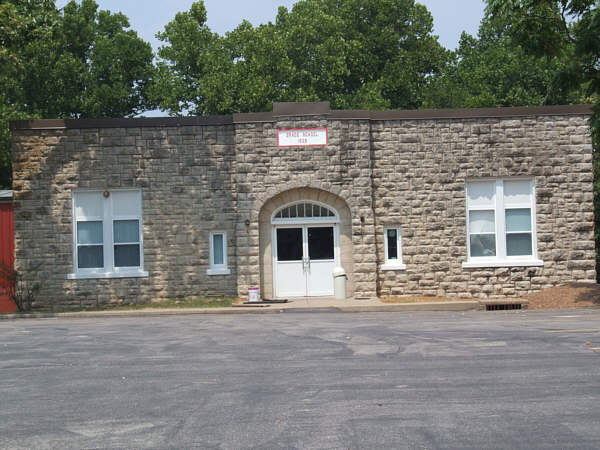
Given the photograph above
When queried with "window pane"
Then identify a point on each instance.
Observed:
(217, 249)
(483, 245)
(89, 204)
(308, 208)
(481, 222)
(316, 211)
(126, 231)
(292, 210)
(518, 220)
(90, 257)
(126, 203)
(392, 244)
(517, 191)
(481, 193)
(89, 232)
(518, 244)
(320, 243)
(301, 210)
(127, 255)
(289, 244)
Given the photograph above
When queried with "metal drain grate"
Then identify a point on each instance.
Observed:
(503, 307)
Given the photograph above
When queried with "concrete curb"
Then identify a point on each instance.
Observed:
(468, 305)
(137, 313)
(271, 309)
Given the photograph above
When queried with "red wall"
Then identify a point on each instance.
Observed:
(7, 252)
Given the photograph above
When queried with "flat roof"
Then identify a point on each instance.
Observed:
(304, 109)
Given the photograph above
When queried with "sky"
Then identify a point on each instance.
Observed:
(147, 17)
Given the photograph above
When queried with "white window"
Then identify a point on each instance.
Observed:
(305, 212)
(107, 234)
(501, 223)
(218, 254)
(393, 249)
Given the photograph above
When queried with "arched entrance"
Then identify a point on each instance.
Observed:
(305, 249)
(304, 233)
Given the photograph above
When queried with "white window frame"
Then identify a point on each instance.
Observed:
(109, 270)
(393, 264)
(217, 269)
(304, 220)
(499, 207)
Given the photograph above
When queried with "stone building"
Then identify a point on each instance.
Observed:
(465, 203)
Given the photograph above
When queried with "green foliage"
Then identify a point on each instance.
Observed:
(493, 70)
(78, 62)
(569, 30)
(21, 290)
(373, 54)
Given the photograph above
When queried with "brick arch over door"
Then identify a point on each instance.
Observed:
(265, 231)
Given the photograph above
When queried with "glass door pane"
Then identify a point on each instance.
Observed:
(289, 244)
(320, 243)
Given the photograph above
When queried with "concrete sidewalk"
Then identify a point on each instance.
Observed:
(304, 304)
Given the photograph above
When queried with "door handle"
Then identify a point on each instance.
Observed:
(306, 264)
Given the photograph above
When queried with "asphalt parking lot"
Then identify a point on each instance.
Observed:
(528, 379)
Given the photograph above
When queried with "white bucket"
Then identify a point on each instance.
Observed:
(253, 294)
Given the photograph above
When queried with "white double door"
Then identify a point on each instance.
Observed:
(304, 259)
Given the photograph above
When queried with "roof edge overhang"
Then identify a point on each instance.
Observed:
(281, 110)
(135, 122)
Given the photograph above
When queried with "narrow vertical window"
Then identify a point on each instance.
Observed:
(392, 245)
(126, 219)
(89, 230)
(518, 201)
(217, 250)
(218, 254)
(481, 204)
(393, 249)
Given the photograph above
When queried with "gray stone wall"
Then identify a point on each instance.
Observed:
(420, 168)
(185, 175)
(341, 168)
(408, 173)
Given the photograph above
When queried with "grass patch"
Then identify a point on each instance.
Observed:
(210, 302)
(416, 299)
(219, 302)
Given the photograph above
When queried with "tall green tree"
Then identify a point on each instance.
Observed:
(74, 62)
(355, 53)
(493, 70)
(566, 29)
(23, 25)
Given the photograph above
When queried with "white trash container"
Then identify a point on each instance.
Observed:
(339, 283)
(253, 294)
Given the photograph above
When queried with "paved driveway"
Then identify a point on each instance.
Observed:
(302, 380)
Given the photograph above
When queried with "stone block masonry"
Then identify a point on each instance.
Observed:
(386, 169)
(424, 166)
